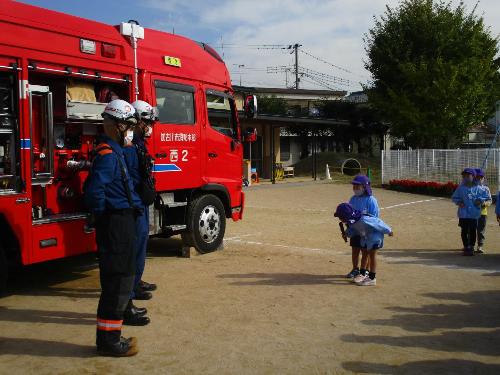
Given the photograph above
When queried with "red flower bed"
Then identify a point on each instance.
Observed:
(423, 187)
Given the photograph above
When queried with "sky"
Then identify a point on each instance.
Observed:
(253, 35)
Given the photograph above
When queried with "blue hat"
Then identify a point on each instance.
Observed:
(479, 172)
(346, 213)
(363, 181)
(470, 171)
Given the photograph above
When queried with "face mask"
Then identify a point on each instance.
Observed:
(129, 136)
(359, 192)
(148, 131)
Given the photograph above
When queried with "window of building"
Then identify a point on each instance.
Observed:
(285, 148)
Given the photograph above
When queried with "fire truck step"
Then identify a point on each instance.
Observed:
(175, 204)
(175, 228)
(58, 218)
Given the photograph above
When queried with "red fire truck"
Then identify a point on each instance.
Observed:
(56, 74)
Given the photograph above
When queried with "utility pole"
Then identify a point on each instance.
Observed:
(240, 66)
(296, 49)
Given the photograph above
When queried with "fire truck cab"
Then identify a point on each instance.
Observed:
(57, 72)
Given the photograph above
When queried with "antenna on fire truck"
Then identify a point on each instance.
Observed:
(134, 31)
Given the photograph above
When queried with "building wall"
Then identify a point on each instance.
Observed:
(327, 144)
(295, 149)
(264, 134)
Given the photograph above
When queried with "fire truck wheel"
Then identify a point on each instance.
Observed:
(4, 269)
(206, 224)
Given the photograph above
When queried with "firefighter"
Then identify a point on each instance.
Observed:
(139, 163)
(110, 196)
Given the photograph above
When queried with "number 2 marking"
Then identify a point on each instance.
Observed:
(184, 155)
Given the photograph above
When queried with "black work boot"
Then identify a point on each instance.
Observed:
(142, 295)
(147, 287)
(132, 341)
(141, 311)
(132, 318)
(123, 348)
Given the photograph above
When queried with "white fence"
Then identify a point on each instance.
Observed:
(440, 165)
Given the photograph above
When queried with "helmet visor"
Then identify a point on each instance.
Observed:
(152, 115)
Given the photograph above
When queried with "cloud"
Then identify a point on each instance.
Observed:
(331, 30)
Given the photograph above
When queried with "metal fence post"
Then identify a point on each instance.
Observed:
(418, 163)
(399, 163)
(382, 167)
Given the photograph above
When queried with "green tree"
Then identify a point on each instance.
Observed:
(271, 105)
(434, 71)
(364, 122)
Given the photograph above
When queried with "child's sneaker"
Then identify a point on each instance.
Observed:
(480, 250)
(353, 273)
(360, 278)
(367, 282)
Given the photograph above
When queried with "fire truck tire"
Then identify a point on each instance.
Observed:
(206, 224)
(4, 269)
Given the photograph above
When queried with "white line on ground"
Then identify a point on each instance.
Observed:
(323, 210)
(241, 236)
(288, 208)
(411, 260)
(287, 247)
(410, 203)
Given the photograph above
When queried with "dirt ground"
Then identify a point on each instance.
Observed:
(275, 300)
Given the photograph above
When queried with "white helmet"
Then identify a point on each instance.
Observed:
(145, 111)
(120, 110)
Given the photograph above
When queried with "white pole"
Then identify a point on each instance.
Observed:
(136, 69)
(418, 163)
(327, 174)
(382, 165)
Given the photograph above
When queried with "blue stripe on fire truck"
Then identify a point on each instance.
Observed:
(25, 144)
(166, 168)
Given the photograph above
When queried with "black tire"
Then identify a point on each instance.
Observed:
(4, 271)
(206, 224)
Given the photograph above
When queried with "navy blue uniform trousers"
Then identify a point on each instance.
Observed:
(115, 237)
(141, 243)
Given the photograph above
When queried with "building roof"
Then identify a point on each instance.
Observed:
(291, 121)
(275, 90)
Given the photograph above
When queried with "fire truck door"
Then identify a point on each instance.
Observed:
(176, 137)
(223, 145)
(41, 128)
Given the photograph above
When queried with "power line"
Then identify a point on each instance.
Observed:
(326, 62)
(254, 46)
(328, 77)
(316, 83)
(322, 83)
(322, 78)
(325, 79)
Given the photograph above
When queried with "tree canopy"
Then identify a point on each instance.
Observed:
(272, 105)
(434, 71)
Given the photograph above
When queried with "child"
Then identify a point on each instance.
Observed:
(365, 202)
(371, 232)
(481, 222)
(468, 197)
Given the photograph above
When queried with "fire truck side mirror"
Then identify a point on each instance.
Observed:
(251, 106)
(250, 135)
